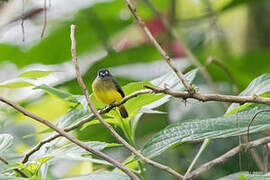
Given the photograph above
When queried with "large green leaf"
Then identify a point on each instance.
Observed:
(101, 175)
(247, 176)
(6, 141)
(258, 86)
(199, 129)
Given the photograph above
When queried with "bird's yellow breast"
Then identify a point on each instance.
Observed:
(105, 91)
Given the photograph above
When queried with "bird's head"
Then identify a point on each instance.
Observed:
(104, 74)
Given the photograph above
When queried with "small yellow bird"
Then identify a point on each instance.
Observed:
(108, 91)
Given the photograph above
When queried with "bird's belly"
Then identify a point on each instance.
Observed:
(108, 96)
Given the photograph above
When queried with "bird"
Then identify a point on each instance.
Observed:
(107, 90)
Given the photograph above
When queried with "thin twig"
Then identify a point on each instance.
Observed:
(265, 158)
(159, 48)
(45, 19)
(69, 137)
(253, 152)
(252, 119)
(226, 70)
(187, 52)
(212, 97)
(239, 140)
(102, 121)
(17, 170)
(223, 158)
(22, 21)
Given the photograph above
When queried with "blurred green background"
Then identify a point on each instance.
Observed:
(236, 32)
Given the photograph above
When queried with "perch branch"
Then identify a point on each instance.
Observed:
(81, 122)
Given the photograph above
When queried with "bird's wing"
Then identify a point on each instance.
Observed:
(118, 88)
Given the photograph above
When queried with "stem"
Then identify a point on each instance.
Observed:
(202, 148)
(127, 131)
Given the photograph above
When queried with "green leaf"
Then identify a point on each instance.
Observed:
(6, 141)
(36, 74)
(199, 129)
(247, 176)
(61, 94)
(258, 86)
(101, 175)
(16, 84)
(73, 116)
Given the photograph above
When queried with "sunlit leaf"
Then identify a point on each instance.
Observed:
(16, 84)
(36, 74)
(199, 129)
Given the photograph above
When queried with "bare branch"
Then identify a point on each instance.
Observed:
(212, 97)
(69, 137)
(102, 121)
(158, 47)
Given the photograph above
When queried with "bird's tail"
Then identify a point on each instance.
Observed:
(123, 111)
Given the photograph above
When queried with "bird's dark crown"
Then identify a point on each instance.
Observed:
(104, 74)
